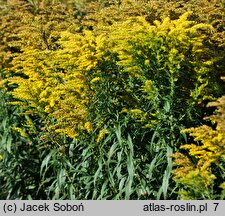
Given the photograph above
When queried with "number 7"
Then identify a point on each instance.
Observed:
(216, 205)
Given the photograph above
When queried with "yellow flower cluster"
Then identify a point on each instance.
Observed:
(57, 83)
(210, 153)
(102, 134)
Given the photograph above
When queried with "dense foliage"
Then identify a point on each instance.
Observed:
(202, 174)
(97, 98)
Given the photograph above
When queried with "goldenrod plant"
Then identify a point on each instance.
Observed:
(200, 171)
(95, 94)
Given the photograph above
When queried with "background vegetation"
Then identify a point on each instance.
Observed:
(117, 99)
